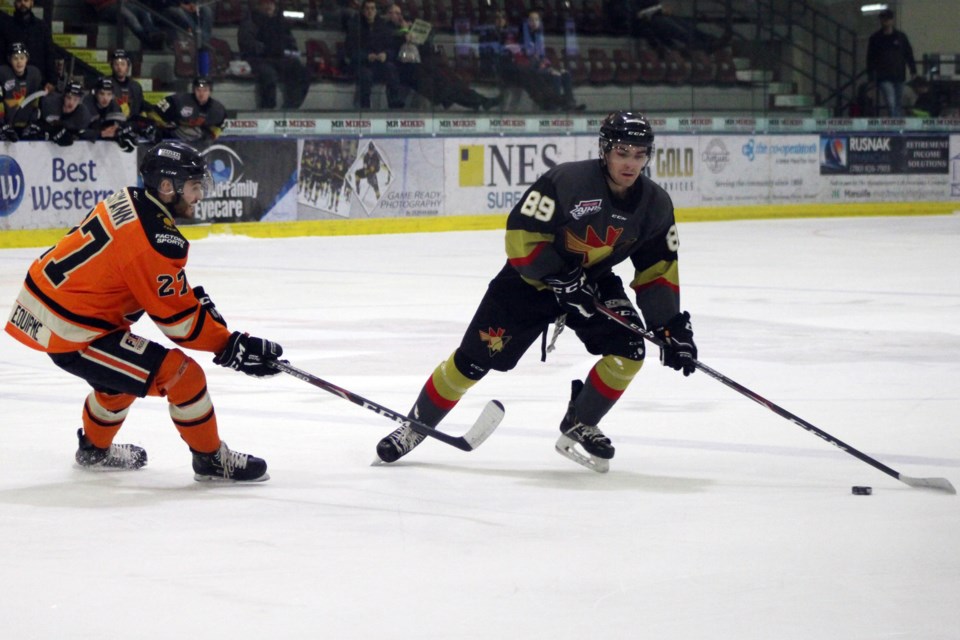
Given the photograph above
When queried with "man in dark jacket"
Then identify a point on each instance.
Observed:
(888, 55)
(266, 42)
(370, 41)
(24, 27)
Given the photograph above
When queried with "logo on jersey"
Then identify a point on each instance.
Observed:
(592, 247)
(585, 208)
(11, 185)
(134, 343)
(495, 340)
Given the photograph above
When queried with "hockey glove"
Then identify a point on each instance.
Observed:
(249, 355)
(8, 133)
(573, 292)
(678, 350)
(62, 136)
(208, 305)
(126, 138)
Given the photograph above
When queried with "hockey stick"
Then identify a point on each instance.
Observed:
(485, 424)
(940, 484)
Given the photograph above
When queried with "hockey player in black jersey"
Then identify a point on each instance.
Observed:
(570, 228)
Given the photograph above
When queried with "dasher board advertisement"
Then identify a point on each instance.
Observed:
(46, 186)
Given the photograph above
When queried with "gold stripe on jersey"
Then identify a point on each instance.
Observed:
(523, 246)
(665, 272)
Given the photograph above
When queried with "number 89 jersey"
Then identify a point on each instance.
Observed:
(126, 257)
(570, 217)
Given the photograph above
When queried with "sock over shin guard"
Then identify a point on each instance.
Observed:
(449, 382)
(606, 382)
(182, 381)
(103, 415)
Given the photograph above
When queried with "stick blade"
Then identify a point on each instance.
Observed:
(937, 484)
(486, 424)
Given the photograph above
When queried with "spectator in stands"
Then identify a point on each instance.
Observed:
(22, 87)
(194, 116)
(422, 70)
(267, 43)
(63, 118)
(369, 43)
(135, 17)
(502, 55)
(497, 43)
(533, 55)
(888, 55)
(187, 16)
(34, 34)
(662, 28)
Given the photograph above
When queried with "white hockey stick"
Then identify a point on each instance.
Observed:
(485, 424)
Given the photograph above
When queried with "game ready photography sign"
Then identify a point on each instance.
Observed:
(369, 178)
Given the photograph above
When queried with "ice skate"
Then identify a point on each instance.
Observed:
(116, 457)
(583, 443)
(224, 465)
(398, 444)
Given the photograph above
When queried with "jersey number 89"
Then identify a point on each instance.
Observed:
(538, 206)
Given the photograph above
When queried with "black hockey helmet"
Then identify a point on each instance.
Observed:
(202, 81)
(75, 88)
(104, 83)
(175, 161)
(119, 54)
(17, 48)
(625, 127)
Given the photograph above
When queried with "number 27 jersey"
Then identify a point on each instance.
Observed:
(126, 257)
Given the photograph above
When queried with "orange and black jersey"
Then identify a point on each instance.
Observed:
(126, 257)
(569, 217)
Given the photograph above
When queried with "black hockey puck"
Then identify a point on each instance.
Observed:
(862, 491)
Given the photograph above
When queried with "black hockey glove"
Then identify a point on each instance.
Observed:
(126, 138)
(574, 293)
(678, 350)
(8, 133)
(208, 305)
(249, 355)
(62, 136)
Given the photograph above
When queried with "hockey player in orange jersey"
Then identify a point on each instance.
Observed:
(81, 297)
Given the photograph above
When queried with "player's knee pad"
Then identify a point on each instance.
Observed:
(182, 381)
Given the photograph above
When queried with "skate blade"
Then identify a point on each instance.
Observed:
(221, 480)
(568, 448)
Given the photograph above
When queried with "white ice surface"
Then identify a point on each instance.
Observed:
(718, 519)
